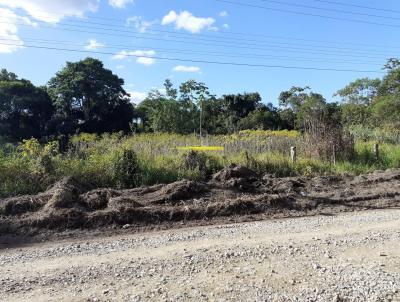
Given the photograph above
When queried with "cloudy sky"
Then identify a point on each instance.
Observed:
(231, 45)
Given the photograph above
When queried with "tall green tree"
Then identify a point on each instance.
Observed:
(386, 106)
(90, 98)
(294, 98)
(163, 112)
(260, 120)
(360, 92)
(235, 107)
(194, 95)
(305, 104)
(391, 81)
(7, 76)
(287, 118)
(158, 113)
(357, 98)
(170, 91)
(25, 110)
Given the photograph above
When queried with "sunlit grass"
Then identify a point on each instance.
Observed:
(31, 167)
(201, 148)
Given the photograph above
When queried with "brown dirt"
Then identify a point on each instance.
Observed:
(234, 191)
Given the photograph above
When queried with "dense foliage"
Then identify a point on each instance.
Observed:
(86, 97)
(195, 110)
(89, 98)
(374, 103)
(25, 110)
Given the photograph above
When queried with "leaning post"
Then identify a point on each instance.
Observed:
(293, 154)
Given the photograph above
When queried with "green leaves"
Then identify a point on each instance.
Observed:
(374, 102)
(25, 110)
(90, 98)
(360, 92)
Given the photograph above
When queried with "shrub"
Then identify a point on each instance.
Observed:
(126, 169)
(200, 162)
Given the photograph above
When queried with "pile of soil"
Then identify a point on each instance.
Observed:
(234, 191)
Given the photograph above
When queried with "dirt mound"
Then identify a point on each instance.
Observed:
(22, 204)
(62, 194)
(65, 194)
(176, 191)
(236, 177)
(289, 185)
(233, 171)
(99, 199)
(236, 190)
(378, 177)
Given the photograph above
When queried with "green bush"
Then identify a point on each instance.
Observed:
(126, 169)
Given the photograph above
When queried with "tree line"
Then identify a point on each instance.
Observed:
(86, 97)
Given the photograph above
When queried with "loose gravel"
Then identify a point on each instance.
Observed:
(348, 257)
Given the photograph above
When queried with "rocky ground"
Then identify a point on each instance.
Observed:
(346, 257)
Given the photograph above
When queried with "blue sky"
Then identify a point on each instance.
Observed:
(129, 34)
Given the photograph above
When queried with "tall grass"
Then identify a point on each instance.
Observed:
(99, 161)
(362, 133)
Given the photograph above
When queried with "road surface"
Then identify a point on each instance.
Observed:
(346, 257)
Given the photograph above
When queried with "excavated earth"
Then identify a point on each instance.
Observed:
(233, 194)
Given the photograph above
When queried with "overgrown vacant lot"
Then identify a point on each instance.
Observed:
(145, 180)
(119, 161)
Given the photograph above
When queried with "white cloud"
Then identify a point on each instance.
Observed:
(181, 68)
(93, 44)
(142, 56)
(121, 55)
(140, 24)
(185, 20)
(49, 11)
(223, 14)
(8, 32)
(120, 66)
(27, 21)
(226, 26)
(137, 97)
(119, 3)
(52, 11)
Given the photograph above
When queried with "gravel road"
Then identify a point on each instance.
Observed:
(347, 257)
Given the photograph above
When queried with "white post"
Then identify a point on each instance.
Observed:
(293, 154)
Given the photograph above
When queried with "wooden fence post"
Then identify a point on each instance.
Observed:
(293, 154)
(334, 155)
(376, 151)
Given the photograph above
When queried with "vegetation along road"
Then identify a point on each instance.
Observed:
(346, 257)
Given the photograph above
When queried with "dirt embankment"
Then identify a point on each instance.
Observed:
(233, 191)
